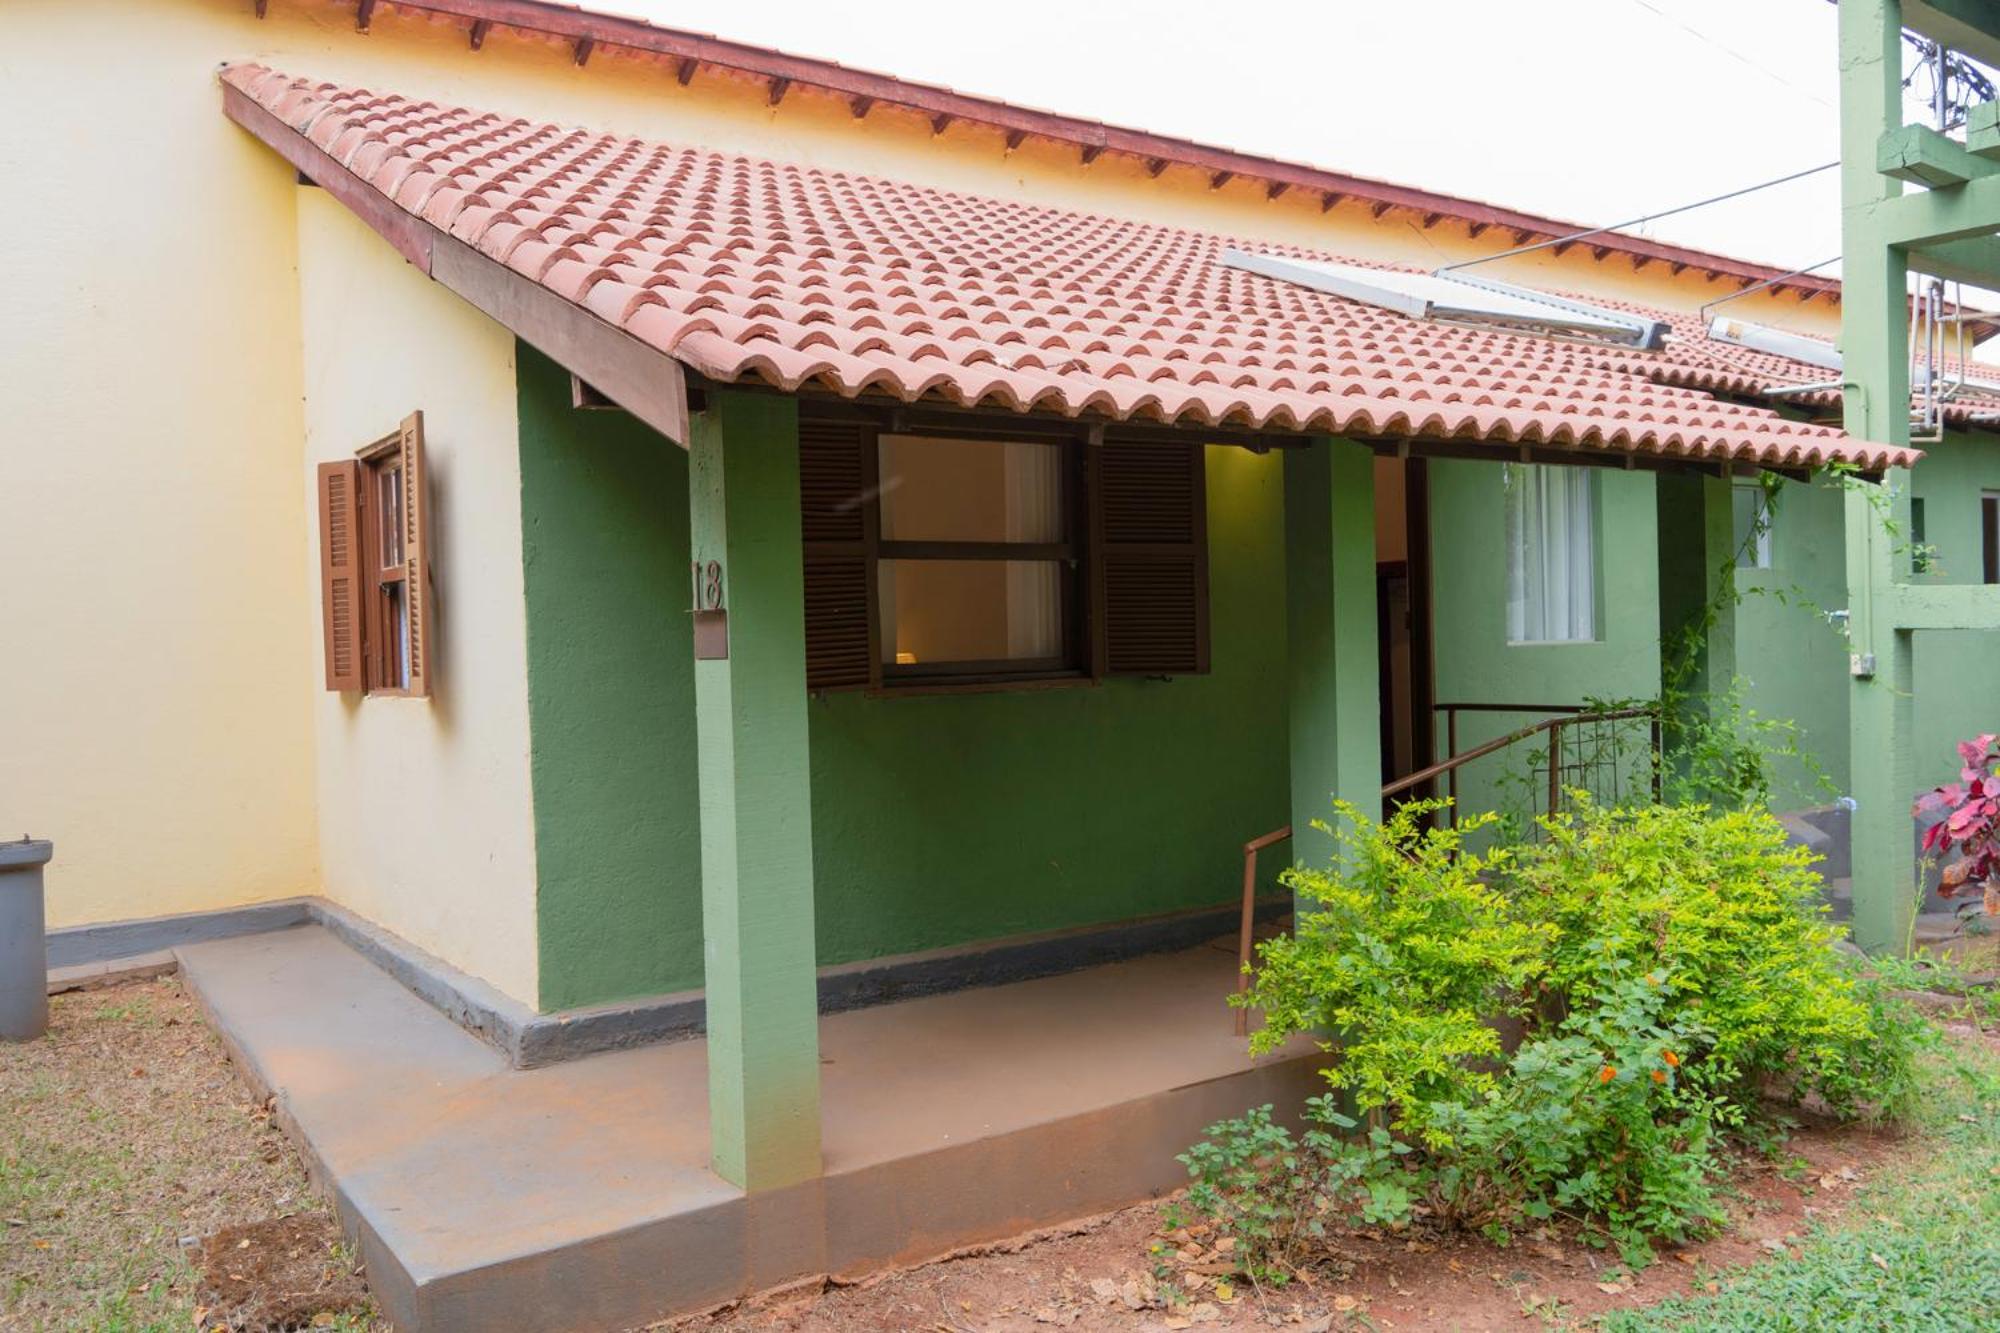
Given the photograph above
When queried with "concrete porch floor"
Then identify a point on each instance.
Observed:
(578, 1196)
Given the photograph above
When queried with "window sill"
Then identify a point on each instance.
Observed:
(980, 686)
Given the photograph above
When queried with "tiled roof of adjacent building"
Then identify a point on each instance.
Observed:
(814, 280)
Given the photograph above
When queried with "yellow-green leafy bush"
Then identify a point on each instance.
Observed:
(1572, 1028)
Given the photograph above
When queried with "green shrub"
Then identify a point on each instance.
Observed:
(1728, 918)
(1407, 951)
(1659, 971)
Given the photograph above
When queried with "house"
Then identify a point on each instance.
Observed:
(640, 534)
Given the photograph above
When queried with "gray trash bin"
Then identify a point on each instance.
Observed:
(24, 949)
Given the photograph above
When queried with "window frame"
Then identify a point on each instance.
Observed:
(1073, 589)
(1989, 536)
(378, 640)
(1761, 549)
(1138, 603)
(1596, 558)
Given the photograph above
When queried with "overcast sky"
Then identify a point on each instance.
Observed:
(1592, 110)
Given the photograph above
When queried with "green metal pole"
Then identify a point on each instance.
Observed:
(756, 815)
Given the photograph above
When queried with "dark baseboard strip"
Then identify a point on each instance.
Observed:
(529, 1039)
(80, 946)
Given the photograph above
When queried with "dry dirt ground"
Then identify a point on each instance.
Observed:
(142, 1187)
(1101, 1276)
(129, 1149)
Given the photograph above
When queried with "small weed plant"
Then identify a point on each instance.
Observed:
(1574, 1029)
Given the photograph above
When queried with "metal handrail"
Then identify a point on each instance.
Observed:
(1566, 715)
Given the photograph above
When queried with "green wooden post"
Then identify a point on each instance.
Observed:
(1876, 407)
(756, 820)
(1335, 673)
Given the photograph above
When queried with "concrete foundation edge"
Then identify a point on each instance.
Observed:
(531, 1040)
(898, 1213)
(80, 946)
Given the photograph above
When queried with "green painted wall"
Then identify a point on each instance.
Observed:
(1797, 663)
(604, 528)
(936, 819)
(944, 818)
(1476, 664)
(1958, 673)
(1793, 660)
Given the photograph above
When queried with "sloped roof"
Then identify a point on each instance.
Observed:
(586, 29)
(812, 280)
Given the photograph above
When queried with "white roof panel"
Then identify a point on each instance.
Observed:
(1456, 298)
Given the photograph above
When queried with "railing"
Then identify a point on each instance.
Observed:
(1590, 761)
(1588, 764)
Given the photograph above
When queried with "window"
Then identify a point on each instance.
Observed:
(978, 558)
(1551, 554)
(1923, 560)
(938, 560)
(1989, 536)
(375, 592)
(1752, 536)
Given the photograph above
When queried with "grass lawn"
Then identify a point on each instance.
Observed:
(1919, 1250)
(122, 1132)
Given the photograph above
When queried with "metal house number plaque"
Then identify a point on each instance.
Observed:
(711, 618)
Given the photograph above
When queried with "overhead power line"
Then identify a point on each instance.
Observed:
(1649, 217)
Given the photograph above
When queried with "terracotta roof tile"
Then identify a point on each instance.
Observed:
(818, 280)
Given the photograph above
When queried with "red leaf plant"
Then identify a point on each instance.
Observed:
(1970, 823)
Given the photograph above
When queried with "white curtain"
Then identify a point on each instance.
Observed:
(1034, 514)
(1551, 554)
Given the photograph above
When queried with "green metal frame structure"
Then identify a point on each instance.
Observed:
(1948, 227)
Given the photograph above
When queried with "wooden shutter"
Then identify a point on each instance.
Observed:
(1149, 523)
(341, 584)
(837, 523)
(417, 551)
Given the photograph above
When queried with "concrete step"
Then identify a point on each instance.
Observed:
(578, 1196)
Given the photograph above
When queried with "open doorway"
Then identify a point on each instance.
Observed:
(1403, 605)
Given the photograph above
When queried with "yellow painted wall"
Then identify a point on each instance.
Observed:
(162, 717)
(426, 815)
(155, 714)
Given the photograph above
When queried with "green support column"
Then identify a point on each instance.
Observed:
(1335, 674)
(756, 821)
(1881, 721)
(1876, 407)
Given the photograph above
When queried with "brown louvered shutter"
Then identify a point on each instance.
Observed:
(1150, 531)
(340, 578)
(417, 550)
(837, 520)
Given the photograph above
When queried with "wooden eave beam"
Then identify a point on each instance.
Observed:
(640, 378)
(364, 14)
(477, 36)
(1094, 137)
(581, 52)
(779, 87)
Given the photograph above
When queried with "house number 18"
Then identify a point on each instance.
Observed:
(707, 585)
(711, 620)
